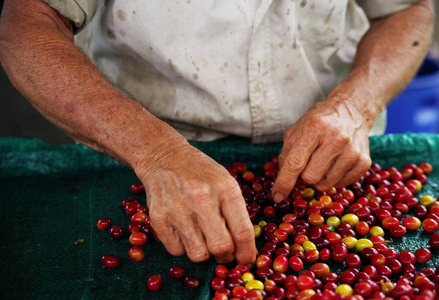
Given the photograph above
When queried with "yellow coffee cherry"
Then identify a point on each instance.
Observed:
(247, 276)
(308, 193)
(308, 245)
(350, 219)
(350, 242)
(376, 231)
(333, 221)
(363, 243)
(254, 284)
(262, 223)
(344, 289)
(258, 230)
(426, 200)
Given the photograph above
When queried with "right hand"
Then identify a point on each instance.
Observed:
(196, 206)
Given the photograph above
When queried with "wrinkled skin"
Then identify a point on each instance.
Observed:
(197, 207)
(327, 147)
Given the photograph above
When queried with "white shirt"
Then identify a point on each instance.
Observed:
(233, 67)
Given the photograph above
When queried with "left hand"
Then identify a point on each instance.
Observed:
(327, 147)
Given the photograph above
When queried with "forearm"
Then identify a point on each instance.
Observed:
(387, 58)
(41, 60)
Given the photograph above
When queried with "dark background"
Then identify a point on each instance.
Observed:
(18, 118)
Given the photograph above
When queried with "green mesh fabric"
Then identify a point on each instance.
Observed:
(53, 196)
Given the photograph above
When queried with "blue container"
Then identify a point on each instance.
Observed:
(416, 109)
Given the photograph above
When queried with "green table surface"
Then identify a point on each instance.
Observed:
(53, 196)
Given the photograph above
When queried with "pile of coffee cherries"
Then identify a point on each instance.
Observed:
(349, 229)
(317, 245)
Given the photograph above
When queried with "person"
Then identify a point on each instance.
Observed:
(136, 80)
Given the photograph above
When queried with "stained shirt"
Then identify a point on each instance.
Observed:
(214, 68)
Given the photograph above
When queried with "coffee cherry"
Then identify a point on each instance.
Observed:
(280, 264)
(220, 296)
(339, 252)
(137, 188)
(104, 223)
(254, 294)
(134, 227)
(429, 225)
(128, 200)
(138, 238)
(155, 283)
(344, 289)
(352, 260)
(376, 231)
(397, 231)
(434, 241)
(177, 272)
(217, 283)
(295, 263)
(139, 217)
(254, 284)
(426, 200)
(422, 255)
(110, 261)
(426, 167)
(136, 254)
(305, 282)
(407, 257)
(239, 292)
(411, 223)
(132, 208)
(191, 282)
(247, 276)
(116, 232)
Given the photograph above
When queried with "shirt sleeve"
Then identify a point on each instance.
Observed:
(78, 11)
(380, 8)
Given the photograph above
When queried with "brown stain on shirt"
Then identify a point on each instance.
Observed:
(328, 17)
(121, 15)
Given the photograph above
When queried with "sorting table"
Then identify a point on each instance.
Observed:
(52, 197)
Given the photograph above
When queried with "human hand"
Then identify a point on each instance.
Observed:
(196, 207)
(327, 147)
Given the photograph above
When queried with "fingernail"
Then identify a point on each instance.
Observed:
(249, 266)
(278, 197)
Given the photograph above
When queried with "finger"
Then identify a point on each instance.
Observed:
(289, 140)
(347, 168)
(323, 159)
(213, 226)
(217, 236)
(318, 165)
(355, 173)
(167, 235)
(191, 236)
(294, 163)
(332, 175)
(357, 160)
(241, 229)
